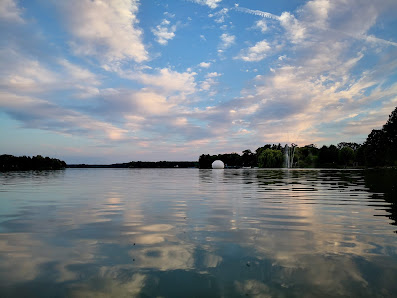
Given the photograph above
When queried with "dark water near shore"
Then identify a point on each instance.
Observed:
(198, 233)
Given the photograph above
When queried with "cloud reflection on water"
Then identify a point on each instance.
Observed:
(256, 232)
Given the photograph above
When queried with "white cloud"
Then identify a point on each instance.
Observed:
(210, 3)
(164, 32)
(150, 103)
(317, 92)
(213, 75)
(41, 114)
(83, 82)
(30, 76)
(295, 30)
(106, 30)
(375, 40)
(10, 11)
(78, 73)
(256, 12)
(205, 64)
(210, 82)
(180, 121)
(168, 80)
(206, 85)
(220, 15)
(24, 75)
(321, 86)
(227, 40)
(168, 14)
(296, 101)
(261, 24)
(256, 52)
(316, 12)
(336, 19)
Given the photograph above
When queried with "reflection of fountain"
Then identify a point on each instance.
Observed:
(289, 155)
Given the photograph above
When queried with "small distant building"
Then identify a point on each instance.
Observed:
(218, 164)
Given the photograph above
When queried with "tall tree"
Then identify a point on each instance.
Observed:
(380, 146)
(270, 158)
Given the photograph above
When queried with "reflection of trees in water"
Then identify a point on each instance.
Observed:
(228, 238)
(39, 176)
(384, 181)
(381, 183)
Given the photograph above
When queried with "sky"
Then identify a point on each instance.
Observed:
(91, 81)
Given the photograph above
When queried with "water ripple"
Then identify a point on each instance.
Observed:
(282, 232)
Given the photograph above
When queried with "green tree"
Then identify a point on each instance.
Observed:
(380, 147)
(346, 156)
(354, 146)
(248, 158)
(390, 138)
(206, 160)
(307, 156)
(231, 159)
(22, 163)
(375, 148)
(270, 158)
(324, 156)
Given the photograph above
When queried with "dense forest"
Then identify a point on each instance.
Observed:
(22, 163)
(378, 150)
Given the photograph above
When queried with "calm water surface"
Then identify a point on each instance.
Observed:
(198, 233)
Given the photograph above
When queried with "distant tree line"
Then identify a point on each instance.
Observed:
(379, 150)
(143, 164)
(163, 164)
(21, 163)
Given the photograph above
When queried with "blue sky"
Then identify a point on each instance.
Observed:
(119, 80)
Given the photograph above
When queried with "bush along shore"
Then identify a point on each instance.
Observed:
(378, 150)
(24, 163)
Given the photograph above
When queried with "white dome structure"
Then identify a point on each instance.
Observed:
(218, 164)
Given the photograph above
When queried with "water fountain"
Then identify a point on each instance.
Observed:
(289, 155)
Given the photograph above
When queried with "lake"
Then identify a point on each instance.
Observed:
(198, 233)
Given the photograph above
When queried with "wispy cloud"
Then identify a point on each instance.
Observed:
(166, 79)
(295, 30)
(220, 16)
(256, 12)
(9, 11)
(261, 24)
(315, 15)
(255, 53)
(24, 75)
(317, 84)
(164, 32)
(41, 114)
(210, 3)
(227, 40)
(209, 82)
